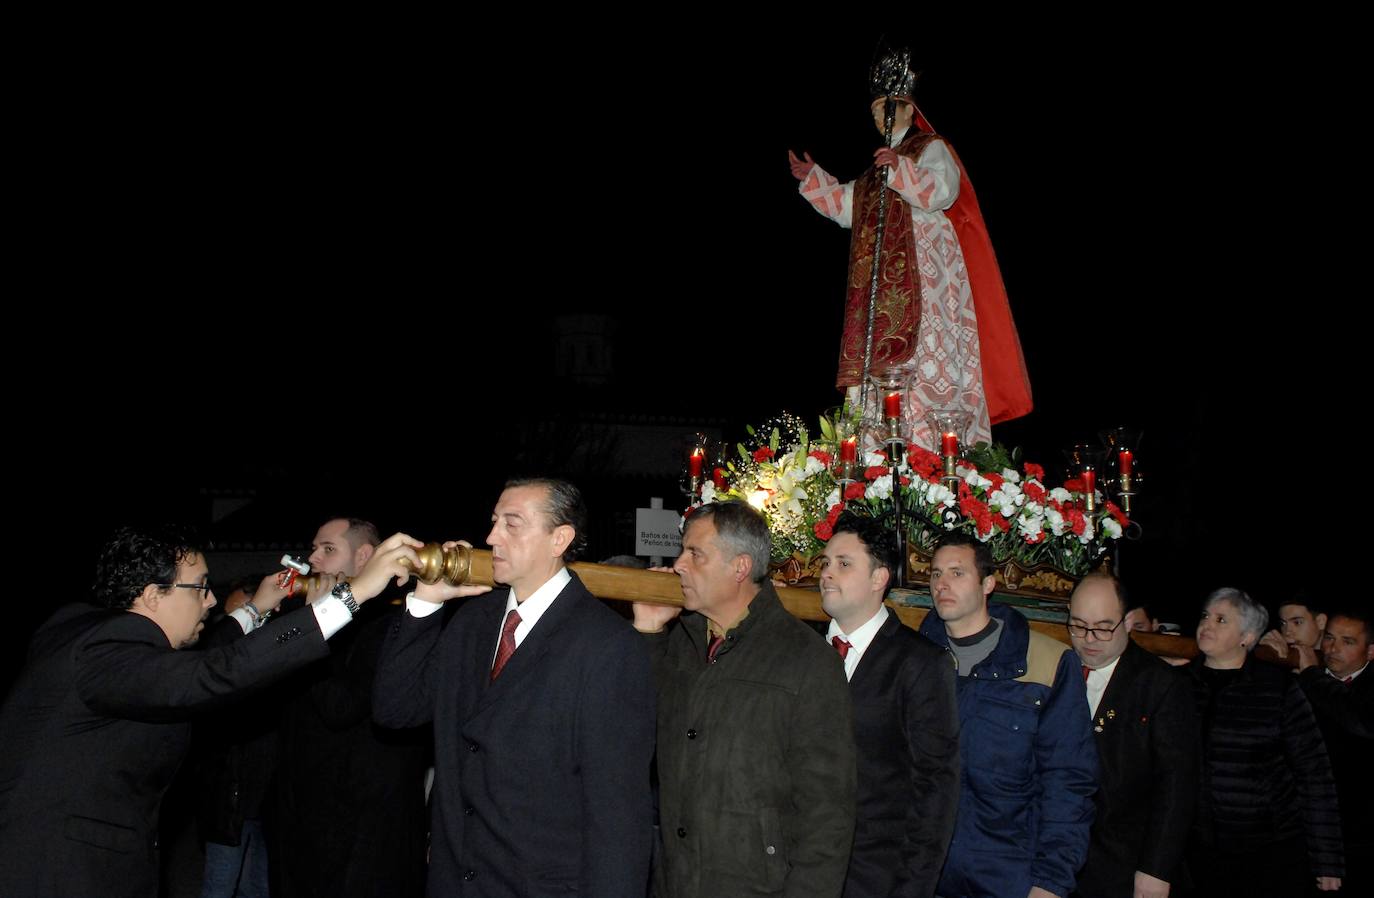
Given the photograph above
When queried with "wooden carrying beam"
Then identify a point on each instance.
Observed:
(635, 585)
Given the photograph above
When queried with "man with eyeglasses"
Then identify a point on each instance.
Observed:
(99, 720)
(1146, 732)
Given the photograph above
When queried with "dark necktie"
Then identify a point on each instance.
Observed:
(716, 643)
(842, 646)
(506, 648)
(1086, 670)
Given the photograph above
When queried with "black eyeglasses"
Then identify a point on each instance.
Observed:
(203, 587)
(1099, 634)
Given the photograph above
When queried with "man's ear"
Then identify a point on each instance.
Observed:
(148, 600)
(362, 555)
(878, 580)
(563, 535)
(744, 566)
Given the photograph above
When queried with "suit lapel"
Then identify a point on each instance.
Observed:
(1117, 688)
(874, 654)
(532, 648)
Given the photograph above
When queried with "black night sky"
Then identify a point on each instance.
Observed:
(326, 270)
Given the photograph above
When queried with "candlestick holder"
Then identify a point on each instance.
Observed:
(949, 426)
(1123, 442)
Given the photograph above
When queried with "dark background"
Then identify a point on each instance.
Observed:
(322, 273)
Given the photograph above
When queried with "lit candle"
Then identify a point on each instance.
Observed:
(949, 443)
(1127, 462)
(892, 404)
(849, 449)
(1089, 481)
(694, 463)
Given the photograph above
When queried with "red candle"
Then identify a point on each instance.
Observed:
(849, 449)
(949, 443)
(694, 463)
(892, 404)
(718, 477)
(1089, 481)
(1127, 462)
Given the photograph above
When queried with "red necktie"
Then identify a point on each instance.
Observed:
(841, 646)
(1348, 680)
(506, 648)
(716, 643)
(1086, 670)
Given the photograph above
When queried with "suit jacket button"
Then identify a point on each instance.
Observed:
(682, 832)
(691, 734)
(770, 850)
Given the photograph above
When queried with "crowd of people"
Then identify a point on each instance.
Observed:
(530, 740)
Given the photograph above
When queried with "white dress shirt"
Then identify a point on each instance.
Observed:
(330, 613)
(859, 640)
(531, 609)
(1098, 679)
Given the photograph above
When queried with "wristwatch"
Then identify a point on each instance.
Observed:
(344, 593)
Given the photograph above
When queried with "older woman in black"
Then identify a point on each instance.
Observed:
(1267, 819)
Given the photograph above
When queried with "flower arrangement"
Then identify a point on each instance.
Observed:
(995, 497)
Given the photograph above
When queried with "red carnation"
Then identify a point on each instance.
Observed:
(854, 491)
(923, 461)
(762, 454)
(820, 456)
(1075, 485)
(1075, 520)
(688, 512)
(996, 480)
(1035, 493)
(1034, 471)
(906, 481)
(1118, 514)
(875, 472)
(824, 531)
(835, 512)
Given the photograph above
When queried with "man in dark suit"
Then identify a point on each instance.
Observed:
(349, 813)
(97, 723)
(1341, 692)
(543, 710)
(906, 720)
(1147, 741)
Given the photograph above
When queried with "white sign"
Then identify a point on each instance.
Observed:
(656, 532)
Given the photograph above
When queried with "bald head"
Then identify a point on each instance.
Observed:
(1097, 611)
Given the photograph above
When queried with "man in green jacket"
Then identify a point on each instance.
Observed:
(755, 727)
